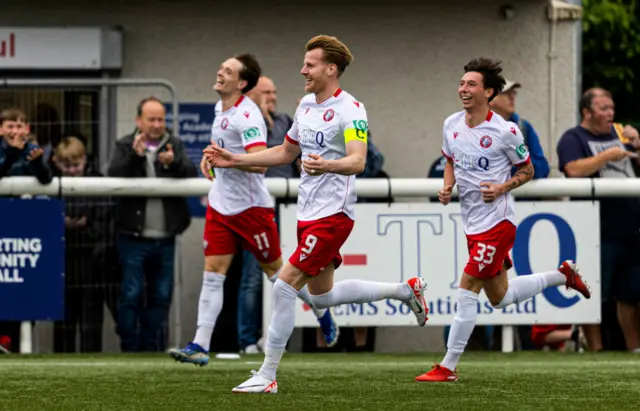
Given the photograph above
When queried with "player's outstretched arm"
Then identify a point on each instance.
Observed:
(271, 157)
(254, 169)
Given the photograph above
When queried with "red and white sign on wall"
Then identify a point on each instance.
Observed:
(51, 48)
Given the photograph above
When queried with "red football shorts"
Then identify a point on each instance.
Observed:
(539, 334)
(254, 230)
(319, 243)
(488, 251)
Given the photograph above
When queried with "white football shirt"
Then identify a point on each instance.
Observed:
(324, 129)
(485, 153)
(238, 129)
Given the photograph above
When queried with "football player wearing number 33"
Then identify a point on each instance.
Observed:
(330, 130)
(481, 148)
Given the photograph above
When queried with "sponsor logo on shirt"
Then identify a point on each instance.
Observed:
(361, 125)
(469, 162)
(251, 133)
(521, 151)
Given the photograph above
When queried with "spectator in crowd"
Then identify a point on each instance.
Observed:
(504, 104)
(86, 230)
(594, 150)
(265, 95)
(18, 157)
(147, 227)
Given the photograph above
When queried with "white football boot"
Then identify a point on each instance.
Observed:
(417, 302)
(257, 385)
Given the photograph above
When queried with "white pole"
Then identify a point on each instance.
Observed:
(26, 338)
(507, 338)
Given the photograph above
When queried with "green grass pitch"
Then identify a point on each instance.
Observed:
(327, 382)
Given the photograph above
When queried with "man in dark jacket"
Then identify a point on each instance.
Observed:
(147, 227)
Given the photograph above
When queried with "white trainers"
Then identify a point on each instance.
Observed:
(251, 349)
(417, 302)
(257, 385)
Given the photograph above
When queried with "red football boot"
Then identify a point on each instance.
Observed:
(438, 374)
(570, 270)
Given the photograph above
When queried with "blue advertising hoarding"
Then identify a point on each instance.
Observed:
(194, 131)
(32, 260)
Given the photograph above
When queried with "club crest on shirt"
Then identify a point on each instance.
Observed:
(485, 141)
(328, 115)
(224, 124)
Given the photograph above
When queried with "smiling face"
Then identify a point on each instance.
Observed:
(264, 93)
(228, 78)
(14, 130)
(472, 92)
(151, 120)
(316, 71)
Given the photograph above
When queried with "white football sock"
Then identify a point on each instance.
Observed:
(524, 287)
(303, 294)
(209, 307)
(359, 291)
(280, 328)
(461, 328)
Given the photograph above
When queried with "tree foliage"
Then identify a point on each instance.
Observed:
(611, 51)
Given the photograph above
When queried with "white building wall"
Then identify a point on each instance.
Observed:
(409, 57)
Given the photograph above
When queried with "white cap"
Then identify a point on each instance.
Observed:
(510, 85)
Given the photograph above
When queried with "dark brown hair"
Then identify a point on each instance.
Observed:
(586, 100)
(251, 71)
(490, 70)
(12, 114)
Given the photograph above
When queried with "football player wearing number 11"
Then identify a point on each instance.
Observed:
(330, 130)
(480, 148)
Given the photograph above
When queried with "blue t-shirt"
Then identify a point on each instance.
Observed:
(619, 216)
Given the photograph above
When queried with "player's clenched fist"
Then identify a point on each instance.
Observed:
(444, 195)
(490, 191)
